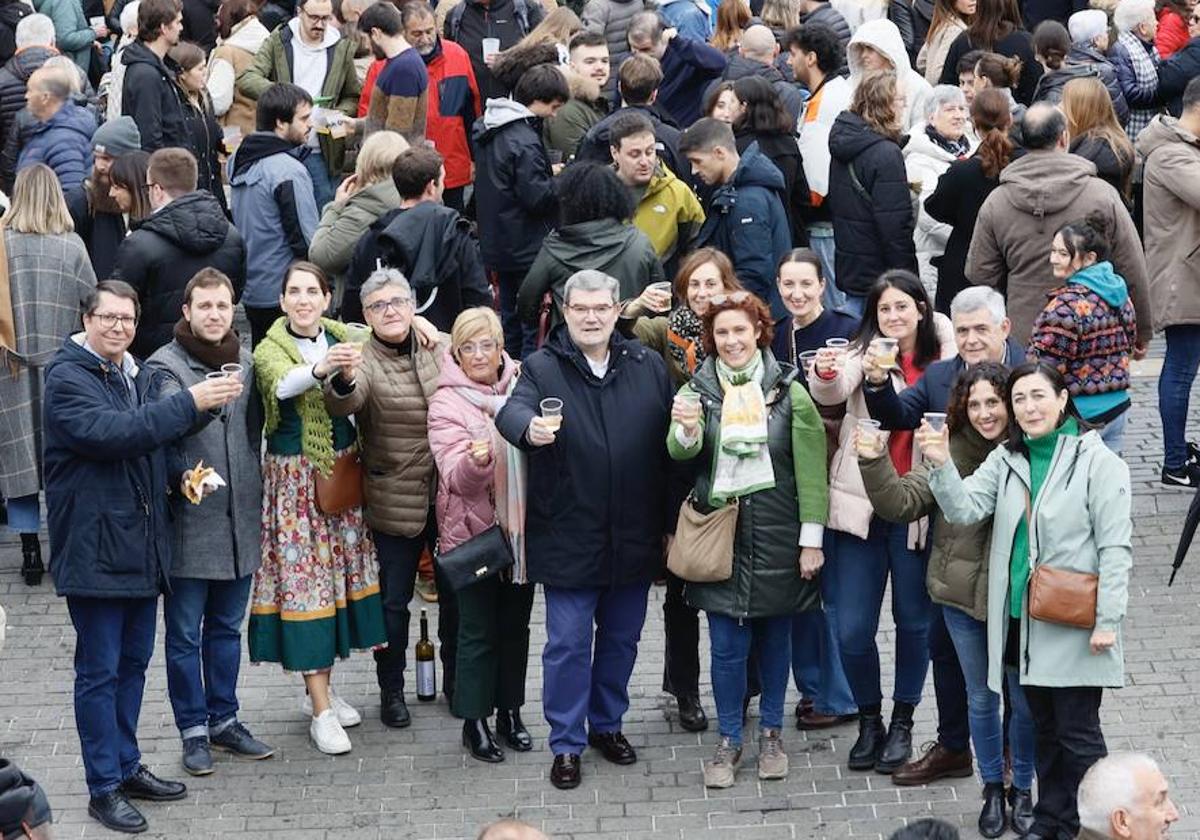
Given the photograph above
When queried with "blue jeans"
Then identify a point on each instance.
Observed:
(319, 173)
(865, 566)
(820, 239)
(203, 620)
(517, 334)
(24, 516)
(114, 639)
(816, 657)
(854, 305)
(983, 705)
(585, 673)
(1174, 389)
(1113, 433)
(731, 639)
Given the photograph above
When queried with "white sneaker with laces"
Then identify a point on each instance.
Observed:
(347, 715)
(328, 734)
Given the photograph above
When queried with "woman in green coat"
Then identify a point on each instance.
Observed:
(771, 463)
(1058, 498)
(957, 579)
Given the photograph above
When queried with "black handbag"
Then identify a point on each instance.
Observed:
(485, 555)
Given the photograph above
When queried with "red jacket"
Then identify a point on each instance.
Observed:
(1172, 33)
(454, 105)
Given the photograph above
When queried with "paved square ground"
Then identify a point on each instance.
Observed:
(417, 783)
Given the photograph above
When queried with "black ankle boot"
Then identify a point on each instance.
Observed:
(478, 739)
(991, 818)
(871, 735)
(897, 749)
(510, 727)
(31, 559)
(1021, 803)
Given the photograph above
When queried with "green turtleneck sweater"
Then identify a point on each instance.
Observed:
(1041, 453)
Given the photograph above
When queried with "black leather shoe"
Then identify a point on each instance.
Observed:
(478, 739)
(613, 747)
(866, 750)
(145, 785)
(691, 714)
(897, 749)
(31, 560)
(564, 775)
(992, 821)
(117, 813)
(1021, 803)
(510, 727)
(393, 711)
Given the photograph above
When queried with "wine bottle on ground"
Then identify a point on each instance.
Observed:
(426, 669)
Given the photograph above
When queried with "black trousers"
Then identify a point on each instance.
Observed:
(398, 560)
(1069, 741)
(681, 668)
(493, 647)
(949, 687)
(261, 318)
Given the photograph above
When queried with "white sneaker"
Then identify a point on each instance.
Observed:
(328, 734)
(347, 715)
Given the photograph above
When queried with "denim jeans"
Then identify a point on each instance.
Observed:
(319, 173)
(820, 239)
(983, 705)
(816, 657)
(517, 334)
(1175, 387)
(731, 640)
(203, 619)
(885, 552)
(24, 516)
(854, 305)
(1113, 433)
(114, 639)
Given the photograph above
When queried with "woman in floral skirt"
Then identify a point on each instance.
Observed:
(316, 595)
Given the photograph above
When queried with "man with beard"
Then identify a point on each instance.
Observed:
(149, 93)
(98, 219)
(399, 97)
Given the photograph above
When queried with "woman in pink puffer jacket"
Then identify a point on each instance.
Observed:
(493, 629)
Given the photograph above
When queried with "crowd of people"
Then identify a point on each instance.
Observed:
(776, 304)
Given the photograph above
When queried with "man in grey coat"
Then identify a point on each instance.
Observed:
(216, 533)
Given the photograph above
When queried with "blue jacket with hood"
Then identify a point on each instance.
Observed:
(64, 143)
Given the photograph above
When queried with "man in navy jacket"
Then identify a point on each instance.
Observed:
(107, 478)
(688, 65)
(596, 513)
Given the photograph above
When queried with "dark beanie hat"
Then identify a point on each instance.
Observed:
(117, 137)
(23, 803)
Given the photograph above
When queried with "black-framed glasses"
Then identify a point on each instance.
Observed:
(381, 306)
(108, 320)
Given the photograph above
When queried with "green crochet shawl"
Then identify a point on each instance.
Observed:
(275, 355)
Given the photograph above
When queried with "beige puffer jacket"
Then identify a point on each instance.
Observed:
(389, 401)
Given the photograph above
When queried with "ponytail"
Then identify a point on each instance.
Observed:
(991, 116)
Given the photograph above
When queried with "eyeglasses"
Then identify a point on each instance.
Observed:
(600, 310)
(317, 18)
(732, 297)
(381, 306)
(1194, 19)
(108, 320)
(484, 347)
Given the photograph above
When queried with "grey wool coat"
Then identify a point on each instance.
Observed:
(49, 276)
(220, 538)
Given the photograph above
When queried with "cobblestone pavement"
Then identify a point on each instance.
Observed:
(417, 783)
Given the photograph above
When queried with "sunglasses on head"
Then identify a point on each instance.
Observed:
(731, 297)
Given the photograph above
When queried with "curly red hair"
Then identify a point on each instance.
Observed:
(742, 301)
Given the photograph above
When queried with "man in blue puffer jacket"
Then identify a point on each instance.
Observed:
(107, 476)
(61, 137)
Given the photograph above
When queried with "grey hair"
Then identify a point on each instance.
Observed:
(1129, 13)
(974, 298)
(382, 277)
(70, 72)
(591, 280)
(54, 79)
(35, 30)
(1108, 786)
(940, 96)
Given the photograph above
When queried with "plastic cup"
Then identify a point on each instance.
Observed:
(233, 369)
(551, 413)
(215, 374)
(491, 46)
(837, 343)
(935, 419)
(807, 360)
(357, 333)
(231, 138)
(838, 346)
(868, 434)
(481, 438)
(885, 350)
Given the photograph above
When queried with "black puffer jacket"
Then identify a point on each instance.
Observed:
(152, 98)
(165, 250)
(1083, 62)
(11, 13)
(14, 77)
(739, 68)
(873, 219)
(200, 23)
(205, 134)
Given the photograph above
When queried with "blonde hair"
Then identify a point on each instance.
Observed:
(875, 101)
(38, 205)
(1089, 112)
(377, 157)
(473, 321)
(781, 14)
(555, 28)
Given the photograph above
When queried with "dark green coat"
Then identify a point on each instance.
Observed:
(766, 558)
(957, 575)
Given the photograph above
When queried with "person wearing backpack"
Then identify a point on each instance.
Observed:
(471, 21)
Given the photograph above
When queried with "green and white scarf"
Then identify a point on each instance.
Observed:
(743, 463)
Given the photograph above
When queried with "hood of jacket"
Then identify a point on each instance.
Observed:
(660, 181)
(1042, 182)
(740, 67)
(587, 244)
(1161, 131)
(25, 61)
(453, 376)
(581, 87)
(1105, 282)
(1085, 54)
(919, 145)
(248, 35)
(331, 37)
(882, 35)
(419, 238)
(71, 118)
(497, 114)
(193, 222)
(260, 145)
(11, 13)
(851, 136)
(755, 169)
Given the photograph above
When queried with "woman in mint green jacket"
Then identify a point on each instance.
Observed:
(1078, 494)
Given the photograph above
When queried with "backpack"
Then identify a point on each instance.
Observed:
(454, 20)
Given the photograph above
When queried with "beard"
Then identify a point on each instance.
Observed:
(99, 198)
(377, 51)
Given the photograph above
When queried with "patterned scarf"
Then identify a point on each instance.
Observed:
(743, 463)
(959, 148)
(685, 324)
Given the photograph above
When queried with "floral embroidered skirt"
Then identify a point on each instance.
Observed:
(316, 595)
